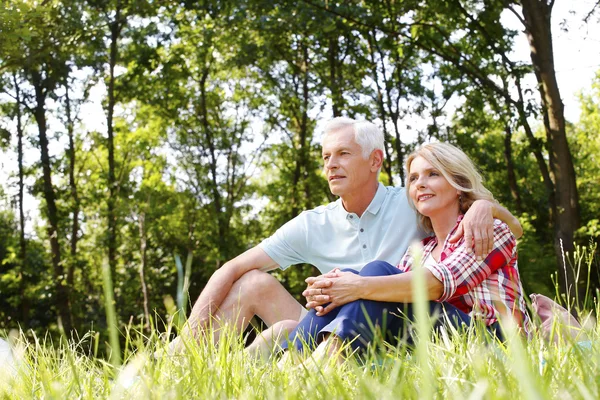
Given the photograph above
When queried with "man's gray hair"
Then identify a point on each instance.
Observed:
(366, 134)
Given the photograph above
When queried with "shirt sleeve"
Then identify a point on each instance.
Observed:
(289, 244)
(460, 271)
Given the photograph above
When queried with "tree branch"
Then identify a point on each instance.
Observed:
(516, 14)
(588, 16)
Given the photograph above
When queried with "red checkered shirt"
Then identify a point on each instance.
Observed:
(482, 289)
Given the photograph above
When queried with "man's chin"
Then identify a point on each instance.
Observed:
(335, 190)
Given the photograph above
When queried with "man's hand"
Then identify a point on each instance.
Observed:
(314, 289)
(339, 288)
(477, 226)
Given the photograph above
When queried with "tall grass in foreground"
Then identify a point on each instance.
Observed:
(445, 365)
(460, 367)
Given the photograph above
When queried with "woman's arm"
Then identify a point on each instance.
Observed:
(456, 274)
(460, 271)
(348, 287)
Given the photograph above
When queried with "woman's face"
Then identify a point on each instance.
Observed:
(431, 193)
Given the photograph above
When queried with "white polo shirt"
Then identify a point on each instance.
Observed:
(329, 237)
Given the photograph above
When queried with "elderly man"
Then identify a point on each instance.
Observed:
(368, 222)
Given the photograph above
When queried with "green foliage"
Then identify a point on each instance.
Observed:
(586, 149)
(536, 259)
(35, 270)
(476, 128)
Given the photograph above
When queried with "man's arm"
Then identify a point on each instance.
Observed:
(222, 280)
(477, 226)
(505, 216)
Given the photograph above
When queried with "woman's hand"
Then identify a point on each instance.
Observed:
(336, 287)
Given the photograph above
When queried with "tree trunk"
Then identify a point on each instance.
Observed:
(395, 114)
(300, 131)
(302, 152)
(393, 110)
(62, 290)
(209, 142)
(115, 32)
(336, 96)
(537, 16)
(73, 187)
(142, 227)
(22, 241)
(387, 164)
(537, 149)
(510, 170)
(304, 128)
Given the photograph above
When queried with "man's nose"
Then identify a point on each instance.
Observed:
(331, 163)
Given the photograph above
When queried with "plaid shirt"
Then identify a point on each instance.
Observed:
(482, 289)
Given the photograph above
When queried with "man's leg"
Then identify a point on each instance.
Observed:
(270, 340)
(255, 293)
(306, 333)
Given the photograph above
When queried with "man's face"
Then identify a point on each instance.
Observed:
(347, 171)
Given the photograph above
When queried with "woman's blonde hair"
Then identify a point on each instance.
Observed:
(459, 171)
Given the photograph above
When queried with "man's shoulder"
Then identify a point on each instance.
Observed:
(323, 209)
(396, 196)
(395, 190)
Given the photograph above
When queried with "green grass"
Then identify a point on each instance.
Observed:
(457, 366)
(443, 366)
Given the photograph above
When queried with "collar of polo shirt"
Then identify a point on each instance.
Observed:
(373, 207)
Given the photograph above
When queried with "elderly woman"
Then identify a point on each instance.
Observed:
(442, 184)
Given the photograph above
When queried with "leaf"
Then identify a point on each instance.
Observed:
(4, 138)
(329, 28)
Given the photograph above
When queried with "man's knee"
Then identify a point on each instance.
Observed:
(256, 282)
(378, 268)
(284, 327)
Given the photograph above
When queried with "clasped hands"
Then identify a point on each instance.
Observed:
(333, 289)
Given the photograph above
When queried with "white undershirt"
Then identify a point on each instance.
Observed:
(429, 261)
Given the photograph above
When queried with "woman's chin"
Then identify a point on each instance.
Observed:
(425, 211)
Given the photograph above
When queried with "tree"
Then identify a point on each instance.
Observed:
(14, 111)
(536, 18)
(42, 63)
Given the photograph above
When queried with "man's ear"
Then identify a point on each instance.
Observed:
(376, 159)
